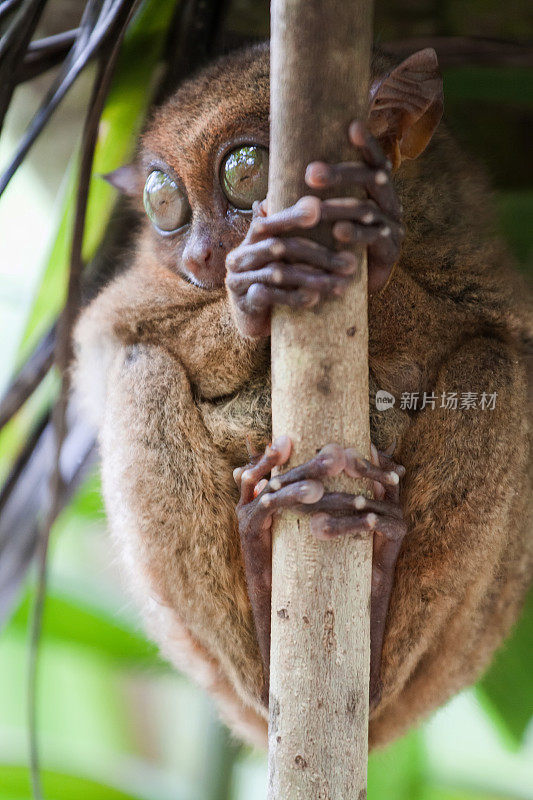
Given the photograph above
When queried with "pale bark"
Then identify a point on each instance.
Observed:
(320, 653)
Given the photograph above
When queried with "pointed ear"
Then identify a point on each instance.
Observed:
(126, 179)
(406, 106)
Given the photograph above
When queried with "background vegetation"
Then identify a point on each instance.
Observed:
(114, 721)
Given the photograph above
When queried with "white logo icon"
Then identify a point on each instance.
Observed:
(384, 400)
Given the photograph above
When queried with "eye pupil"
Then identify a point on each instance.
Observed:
(165, 203)
(244, 175)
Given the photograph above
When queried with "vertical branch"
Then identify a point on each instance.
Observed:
(320, 654)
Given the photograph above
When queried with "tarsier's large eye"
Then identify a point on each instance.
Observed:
(244, 175)
(165, 203)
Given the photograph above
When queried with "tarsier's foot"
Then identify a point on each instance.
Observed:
(334, 514)
(276, 266)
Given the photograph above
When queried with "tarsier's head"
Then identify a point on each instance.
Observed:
(203, 160)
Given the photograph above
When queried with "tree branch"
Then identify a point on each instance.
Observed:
(320, 652)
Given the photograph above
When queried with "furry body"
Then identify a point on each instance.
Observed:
(175, 390)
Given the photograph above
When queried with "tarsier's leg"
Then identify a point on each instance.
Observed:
(170, 499)
(464, 564)
(334, 514)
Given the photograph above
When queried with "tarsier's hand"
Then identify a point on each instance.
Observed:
(275, 266)
(333, 514)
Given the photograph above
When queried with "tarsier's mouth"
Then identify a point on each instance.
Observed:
(199, 285)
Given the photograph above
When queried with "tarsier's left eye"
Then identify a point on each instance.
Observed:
(244, 175)
(165, 203)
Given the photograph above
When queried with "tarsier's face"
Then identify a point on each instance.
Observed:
(203, 164)
(240, 178)
(204, 159)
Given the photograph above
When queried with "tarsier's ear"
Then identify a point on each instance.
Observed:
(406, 106)
(126, 179)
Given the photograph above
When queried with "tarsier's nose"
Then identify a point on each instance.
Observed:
(204, 262)
(198, 256)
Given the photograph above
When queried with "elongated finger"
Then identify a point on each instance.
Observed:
(324, 526)
(352, 233)
(295, 494)
(260, 298)
(329, 461)
(344, 503)
(288, 276)
(366, 212)
(293, 250)
(275, 455)
(303, 214)
(370, 148)
(359, 467)
(373, 175)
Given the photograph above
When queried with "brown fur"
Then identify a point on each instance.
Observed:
(175, 391)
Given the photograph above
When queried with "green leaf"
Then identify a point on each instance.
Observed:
(74, 621)
(398, 771)
(516, 213)
(506, 85)
(442, 793)
(506, 691)
(15, 785)
(119, 128)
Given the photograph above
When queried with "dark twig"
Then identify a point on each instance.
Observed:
(77, 60)
(13, 45)
(58, 488)
(43, 54)
(191, 39)
(29, 378)
(6, 6)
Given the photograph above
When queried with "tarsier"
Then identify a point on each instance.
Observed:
(173, 365)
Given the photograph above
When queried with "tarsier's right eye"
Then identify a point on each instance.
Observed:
(244, 175)
(165, 203)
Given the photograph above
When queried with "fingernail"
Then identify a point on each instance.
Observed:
(359, 502)
(309, 210)
(356, 133)
(344, 260)
(381, 177)
(393, 477)
(385, 231)
(310, 491)
(277, 249)
(260, 486)
(237, 473)
(317, 172)
(368, 218)
(275, 484)
(371, 520)
(343, 231)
